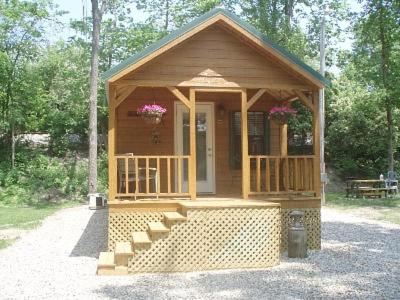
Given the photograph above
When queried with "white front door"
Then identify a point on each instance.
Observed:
(204, 144)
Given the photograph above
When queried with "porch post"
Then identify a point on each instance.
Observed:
(283, 129)
(284, 163)
(192, 164)
(245, 147)
(112, 166)
(316, 144)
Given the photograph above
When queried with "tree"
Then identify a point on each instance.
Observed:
(21, 31)
(377, 58)
(97, 14)
(171, 14)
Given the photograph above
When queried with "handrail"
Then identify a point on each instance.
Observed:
(151, 175)
(273, 174)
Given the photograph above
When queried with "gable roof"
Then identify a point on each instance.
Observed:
(202, 19)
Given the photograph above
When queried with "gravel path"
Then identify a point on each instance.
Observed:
(360, 259)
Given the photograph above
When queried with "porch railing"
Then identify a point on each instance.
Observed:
(141, 176)
(277, 174)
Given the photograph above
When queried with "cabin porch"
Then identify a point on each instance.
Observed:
(218, 153)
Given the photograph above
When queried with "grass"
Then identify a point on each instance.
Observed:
(28, 217)
(386, 209)
(6, 243)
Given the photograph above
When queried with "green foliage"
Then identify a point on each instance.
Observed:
(39, 178)
(6, 243)
(355, 123)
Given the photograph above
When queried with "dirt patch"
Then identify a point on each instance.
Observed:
(12, 233)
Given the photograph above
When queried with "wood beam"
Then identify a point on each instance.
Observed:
(257, 96)
(305, 100)
(112, 164)
(291, 99)
(207, 82)
(245, 148)
(192, 165)
(179, 95)
(270, 92)
(316, 146)
(219, 90)
(283, 137)
(123, 94)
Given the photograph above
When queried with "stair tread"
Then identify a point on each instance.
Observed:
(140, 237)
(106, 259)
(157, 227)
(174, 216)
(123, 248)
(121, 270)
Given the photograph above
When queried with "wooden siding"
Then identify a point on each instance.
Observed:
(134, 135)
(214, 57)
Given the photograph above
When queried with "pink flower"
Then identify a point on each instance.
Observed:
(151, 109)
(283, 111)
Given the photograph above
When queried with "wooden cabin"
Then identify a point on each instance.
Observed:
(210, 186)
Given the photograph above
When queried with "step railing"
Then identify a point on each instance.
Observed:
(151, 175)
(281, 174)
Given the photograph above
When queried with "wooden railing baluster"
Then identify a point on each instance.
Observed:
(258, 175)
(292, 174)
(169, 175)
(147, 176)
(180, 175)
(126, 162)
(267, 175)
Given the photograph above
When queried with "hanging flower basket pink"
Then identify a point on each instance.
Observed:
(281, 114)
(152, 113)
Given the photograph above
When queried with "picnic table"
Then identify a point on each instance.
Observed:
(366, 188)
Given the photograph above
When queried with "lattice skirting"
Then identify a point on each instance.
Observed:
(215, 239)
(122, 224)
(312, 224)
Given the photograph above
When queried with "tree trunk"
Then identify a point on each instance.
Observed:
(166, 15)
(94, 73)
(385, 74)
(12, 144)
(322, 66)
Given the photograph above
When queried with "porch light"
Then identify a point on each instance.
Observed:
(221, 111)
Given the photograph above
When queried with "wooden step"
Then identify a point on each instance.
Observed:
(106, 260)
(174, 216)
(140, 238)
(157, 227)
(120, 270)
(123, 249)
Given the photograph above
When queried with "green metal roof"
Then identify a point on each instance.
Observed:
(198, 21)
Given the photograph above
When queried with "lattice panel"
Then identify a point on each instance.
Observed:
(215, 239)
(312, 223)
(122, 224)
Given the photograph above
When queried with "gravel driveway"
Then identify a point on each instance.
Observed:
(360, 259)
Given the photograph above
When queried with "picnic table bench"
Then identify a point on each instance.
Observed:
(366, 188)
